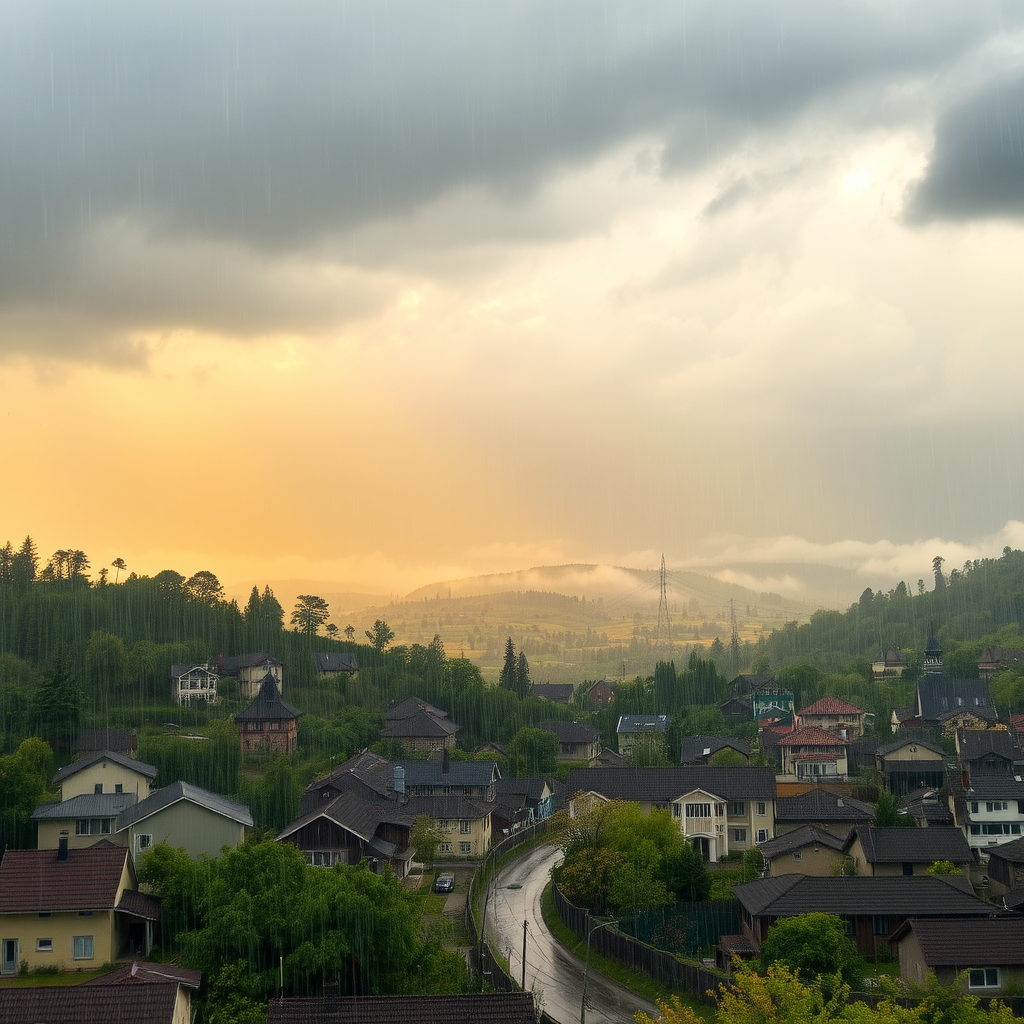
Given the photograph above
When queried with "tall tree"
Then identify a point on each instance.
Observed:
(310, 613)
(57, 704)
(940, 580)
(204, 587)
(523, 682)
(118, 564)
(380, 634)
(508, 676)
(25, 567)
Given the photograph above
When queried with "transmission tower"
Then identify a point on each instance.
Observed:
(664, 637)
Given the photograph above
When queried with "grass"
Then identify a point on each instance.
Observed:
(62, 978)
(641, 984)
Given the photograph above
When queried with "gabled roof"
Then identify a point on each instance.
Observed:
(974, 743)
(177, 671)
(571, 732)
(831, 706)
(90, 1004)
(641, 723)
(896, 845)
(335, 661)
(88, 805)
(822, 805)
(268, 704)
(442, 808)
(938, 695)
(139, 904)
(420, 725)
(474, 1008)
(409, 707)
(230, 666)
(90, 740)
(799, 839)
(531, 789)
(693, 748)
(1012, 851)
(35, 880)
(367, 768)
(160, 799)
(104, 755)
(557, 693)
(663, 785)
(907, 740)
(358, 815)
(993, 786)
(459, 773)
(812, 736)
(912, 896)
(996, 942)
(141, 972)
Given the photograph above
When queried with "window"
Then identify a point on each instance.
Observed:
(698, 810)
(851, 928)
(320, 858)
(118, 788)
(445, 848)
(106, 826)
(465, 827)
(465, 847)
(983, 977)
(44, 945)
(85, 913)
(82, 827)
(719, 809)
(677, 811)
(739, 807)
(98, 788)
(81, 947)
(762, 808)
(797, 855)
(44, 913)
(739, 835)
(762, 835)
(974, 807)
(143, 841)
(880, 925)
(995, 805)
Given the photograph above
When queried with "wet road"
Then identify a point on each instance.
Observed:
(552, 973)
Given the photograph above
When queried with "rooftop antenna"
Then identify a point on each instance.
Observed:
(664, 637)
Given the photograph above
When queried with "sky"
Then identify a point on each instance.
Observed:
(387, 293)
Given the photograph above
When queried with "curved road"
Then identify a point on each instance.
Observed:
(552, 972)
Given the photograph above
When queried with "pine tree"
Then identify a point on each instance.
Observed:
(523, 682)
(507, 676)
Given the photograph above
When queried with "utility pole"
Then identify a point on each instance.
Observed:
(664, 636)
(523, 983)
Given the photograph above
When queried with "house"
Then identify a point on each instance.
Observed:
(602, 693)
(156, 979)
(89, 1003)
(944, 703)
(250, 670)
(988, 807)
(991, 951)
(985, 750)
(268, 725)
(909, 763)
(634, 730)
(191, 683)
(419, 726)
(720, 810)
(770, 699)
(700, 749)
(440, 776)
(94, 741)
(557, 693)
(467, 1008)
(906, 851)
(105, 772)
(833, 715)
(928, 808)
(745, 684)
(577, 741)
(874, 909)
(826, 810)
(335, 663)
(521, 802)
(994, 660)
(608, 758)
(81, 820)
(813, 754)
(889, 664)
(186, 817)
(737, 709)
(806, 851)
(71, 908)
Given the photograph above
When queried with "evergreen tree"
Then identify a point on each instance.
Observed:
(508, 675)
(523, 682)
(310, 613)
(57, 706)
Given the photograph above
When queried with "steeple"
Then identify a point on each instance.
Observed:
(932, 654)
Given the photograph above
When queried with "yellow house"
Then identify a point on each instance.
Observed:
(71, 908)
(105, 772)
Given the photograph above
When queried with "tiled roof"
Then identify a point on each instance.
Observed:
(143, 972)
(359, 816)
(695, 747)
(532, 788)
(230, 666)
(831, 706)
(993, 786)
(335, 661)
(822, 805)
(558, 693)
(460, 773)
(641, 723)
(906, 740)
(268, 704)
(571, 732)
(105, 739)
(937, 695)
(35, 880)
(1012, 851)
(89, 1004)
(448, 807)
(913, 896)
(972, 943)
(917, 845)
(104, 755)
(812, 736)
(476, 1008)
(662, 785)
(419, 725)
(138, 904)
(974, 743)
(409, 707)
(88, 805)
(161, 798)
(807, 835)
(372, 770)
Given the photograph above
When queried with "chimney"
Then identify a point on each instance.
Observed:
(399, 778)
(330, 997)
(62, 846)
(444, 762)
(965, 778)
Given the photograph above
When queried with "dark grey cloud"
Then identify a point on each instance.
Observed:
(279, 128)
(976, 168)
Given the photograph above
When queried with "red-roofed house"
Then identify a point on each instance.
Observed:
(834, 715)
(813, 754)
(71, 908)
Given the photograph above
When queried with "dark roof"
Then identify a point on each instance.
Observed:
(1014, 899)
(418, 725)
(35, 880)
(531, 789)
(476, 1008)
(139, 904)
(90, 1004)
(177, 671)
(104, 755)
(335, 661)
(959, 943)
(358, 815)
(558, 693)
(938, 694)
(642, 723)
(807, 835)
(571, 732)
(918, 845)
(370, 769)
(906, 740)
(662, 785)
(88, 805)
(177, 791)
(972, 744)
(142, 972)
(460, 773)
(993, 786)
(609, 758)
(822, 805)
(442, 808)
(268, 704)
(693, 748)
(913, 896)
(1012, 851)
(409, 707)
(230, 666)
(105, 739)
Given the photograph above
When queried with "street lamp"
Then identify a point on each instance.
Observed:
(586, 968)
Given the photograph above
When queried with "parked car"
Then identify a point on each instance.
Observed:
(444, 883)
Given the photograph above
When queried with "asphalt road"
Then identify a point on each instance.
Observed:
(552, 973)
